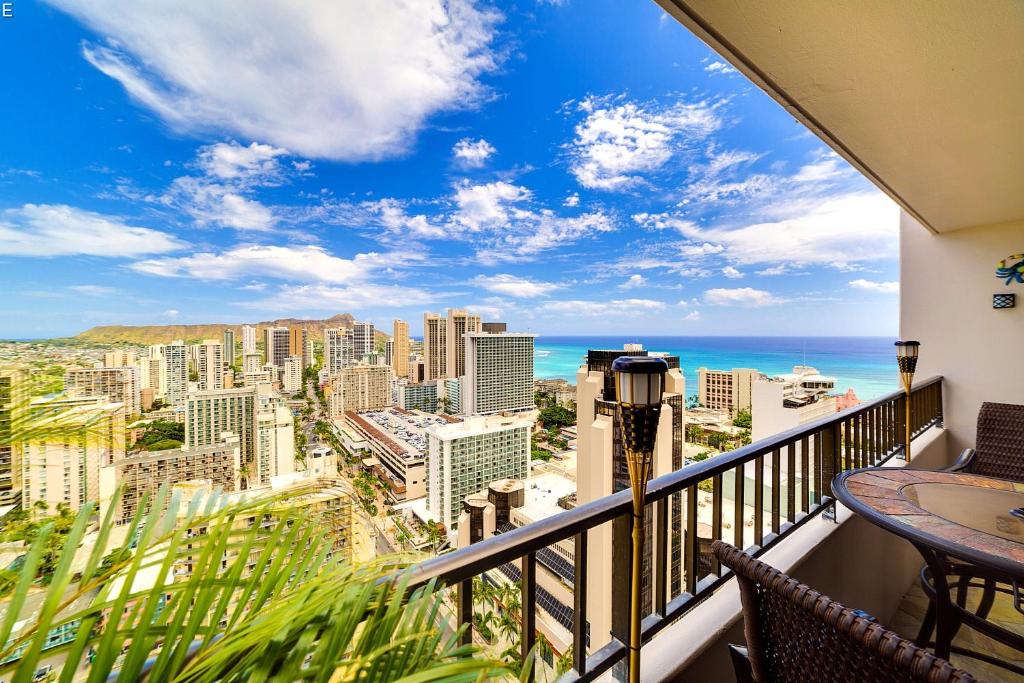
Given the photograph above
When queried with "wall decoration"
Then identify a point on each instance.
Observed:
(1011, 268)
(1004, 300)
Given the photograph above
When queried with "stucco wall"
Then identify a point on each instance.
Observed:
(947, 282)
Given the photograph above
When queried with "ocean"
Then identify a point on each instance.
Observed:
(867, 364)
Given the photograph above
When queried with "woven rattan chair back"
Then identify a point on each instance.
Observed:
(795, 634)
(999, 451)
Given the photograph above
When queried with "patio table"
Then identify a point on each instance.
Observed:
(949, 517)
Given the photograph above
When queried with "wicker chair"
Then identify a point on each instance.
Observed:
(999, 445)
(796, 634)
(999, 453)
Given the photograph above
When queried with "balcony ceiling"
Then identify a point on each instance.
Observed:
(925, 98)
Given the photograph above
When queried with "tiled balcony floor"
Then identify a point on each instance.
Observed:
(908, 617)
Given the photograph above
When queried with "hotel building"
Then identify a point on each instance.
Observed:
(210, 365)
(292, 380)
(210, 414)
(360, 387)
(119, 359)
(248, 339)
(338, 350)
(176, 363)
(119, 385)
(63, 465)
(458, 324)
(400, 355)
(275, 345)
(787, 401)
(499, 373)
(422, 396)
(726, 389)
(362, 339)
(464, 457)
(398, 442)
(435, 350)
(229, 347)
(297, 345)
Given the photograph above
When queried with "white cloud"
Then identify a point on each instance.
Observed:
(780, 269)
(228, 172)
(871, 286)
(394, 218)
(473, 154)
(487, 206)
(171, 313)
(719, 67)
(94, 290)
(838, 231)
(829, 166)
(381, 68)
(613, 307)
(295, 263)
(321, 297)
(634, 281)
(61, 230)
(572, 200)
(741, 296)
(518, 287)
(618, 142)
(731, 273)
(691, 316)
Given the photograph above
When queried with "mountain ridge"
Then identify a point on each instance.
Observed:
(163, 334)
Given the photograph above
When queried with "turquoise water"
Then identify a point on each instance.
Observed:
(867, 364)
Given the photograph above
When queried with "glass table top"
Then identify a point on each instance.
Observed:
(992, 511)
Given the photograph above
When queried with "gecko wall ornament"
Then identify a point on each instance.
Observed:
(1011, 268)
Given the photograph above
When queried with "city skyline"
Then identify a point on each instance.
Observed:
(567, 171)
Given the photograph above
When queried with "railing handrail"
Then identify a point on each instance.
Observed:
(467, 562)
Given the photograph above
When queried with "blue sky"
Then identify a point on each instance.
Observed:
(570, 167)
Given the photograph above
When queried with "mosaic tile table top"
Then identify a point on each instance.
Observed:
(978, 519)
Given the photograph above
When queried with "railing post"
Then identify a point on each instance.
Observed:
(938, 405)
(622, 559)
(830, 446)
(901, 426)
(464, 603)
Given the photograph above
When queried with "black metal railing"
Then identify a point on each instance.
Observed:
(765, 507)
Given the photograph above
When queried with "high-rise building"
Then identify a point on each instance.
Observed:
(417, 371)
(176, 364)
(459, 324)
(338, 350)
(297, 344)
(210, 364)
(119, 385)
(153, 371)
(360, 387)
(418, 396)
(464, 457)
(142, 474)
(229, 348)
(275, 441)
(451, 389)
(726, 389)
(275, 345)
(602, 471)
(389, 352)
(308, 355)
(252, 362)
(119, 359)
(292, 379)
(362, 339)
(13, 408)
(400, 356)
(435, 350)
(248, 339)
(63, 465)
(499, 373)
(789, 400)
(210, 414)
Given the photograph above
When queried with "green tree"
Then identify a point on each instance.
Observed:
(299, 610)
(743, 419)
(557, 416)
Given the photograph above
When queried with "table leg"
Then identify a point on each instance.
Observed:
(946, 621)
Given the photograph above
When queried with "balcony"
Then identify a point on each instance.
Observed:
(932, 116)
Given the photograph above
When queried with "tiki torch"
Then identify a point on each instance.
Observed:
(639, 384)
(906, 357)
